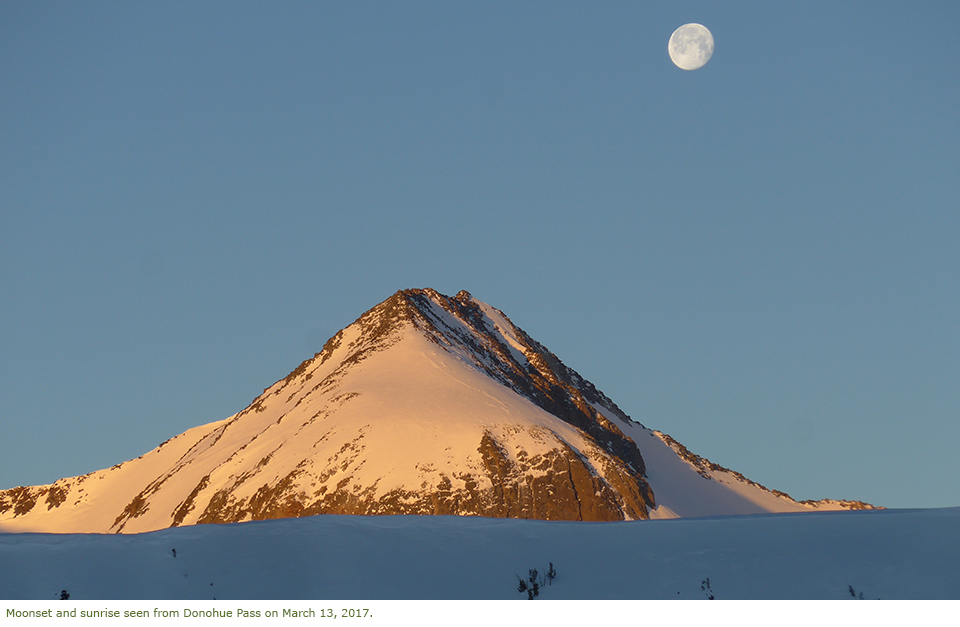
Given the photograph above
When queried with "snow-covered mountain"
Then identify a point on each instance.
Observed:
(426, 404)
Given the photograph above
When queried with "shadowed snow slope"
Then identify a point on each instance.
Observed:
(426, 404)
(887, 554)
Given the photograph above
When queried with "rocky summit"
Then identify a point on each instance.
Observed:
(427, 404)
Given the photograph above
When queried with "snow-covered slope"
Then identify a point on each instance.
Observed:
(425, 405)
(886, 554)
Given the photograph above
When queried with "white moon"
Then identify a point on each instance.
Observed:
(691, 46)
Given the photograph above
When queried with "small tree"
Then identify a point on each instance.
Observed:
(534, 589)
(705, 586)
(535, 581)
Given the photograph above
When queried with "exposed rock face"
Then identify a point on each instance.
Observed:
(563, 486)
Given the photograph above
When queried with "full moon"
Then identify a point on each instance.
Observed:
(691, 46)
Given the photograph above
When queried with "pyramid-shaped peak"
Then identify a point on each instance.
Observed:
(426, 404)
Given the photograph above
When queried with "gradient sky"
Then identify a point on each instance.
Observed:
(759, 257)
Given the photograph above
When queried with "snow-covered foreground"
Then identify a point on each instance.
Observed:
(886, 554)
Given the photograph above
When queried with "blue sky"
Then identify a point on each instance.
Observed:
(758, 257)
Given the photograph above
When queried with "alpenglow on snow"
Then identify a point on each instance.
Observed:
(426, 404)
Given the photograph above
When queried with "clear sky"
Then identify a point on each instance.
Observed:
(759, 257)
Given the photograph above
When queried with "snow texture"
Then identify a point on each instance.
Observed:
(886, 554)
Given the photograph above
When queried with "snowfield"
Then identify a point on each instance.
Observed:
(885, 554)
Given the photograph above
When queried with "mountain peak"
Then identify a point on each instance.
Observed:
(426, 404)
